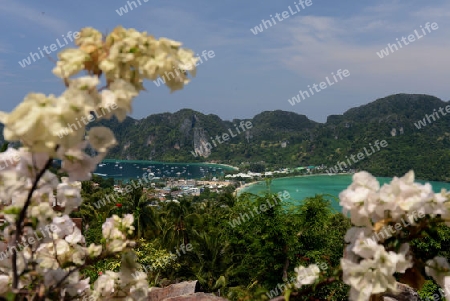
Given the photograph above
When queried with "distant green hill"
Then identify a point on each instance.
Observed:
(281, 138)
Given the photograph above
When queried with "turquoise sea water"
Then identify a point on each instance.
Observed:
(306, 186)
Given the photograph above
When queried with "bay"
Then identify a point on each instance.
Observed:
(302, 187)
(126, 170)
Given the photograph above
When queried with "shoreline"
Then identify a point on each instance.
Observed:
(168, 163)
(222, 164)
(238, 190)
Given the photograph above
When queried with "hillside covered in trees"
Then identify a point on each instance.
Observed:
(286, 139)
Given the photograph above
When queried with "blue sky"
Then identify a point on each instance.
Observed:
(249, 73)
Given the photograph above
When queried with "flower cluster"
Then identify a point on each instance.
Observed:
(115, 232)
(307, 275)
(50, 268)
(127, 54)
(372, 257)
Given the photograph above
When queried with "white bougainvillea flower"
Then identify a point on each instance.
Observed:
(9, 159)
(124, 93)
(402, 195)
(5, 283)
(94, 250)
(366, 278)
(360, 198)
(12, 187)
(31, 121)
(46, 257)
(376, 274)
(108, 103)
(115, 230)
(54, 127)
(31, 164)
(366, 247)
(71, 61)
(436, 205)
(87, 83)
(438, 268)
(101, 138)
(78, 287)
(307, 275)
(43, 212)
(69, 194)
(65, 225)
(48, 182)
(79, 165)
(110, 229)
(89, 36)
(365, 179)
(105, 285)
(52, 277)
(78, 254)
(127, 222)
(75, 237)
(404, 259)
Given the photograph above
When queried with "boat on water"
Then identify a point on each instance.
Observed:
(100, 174)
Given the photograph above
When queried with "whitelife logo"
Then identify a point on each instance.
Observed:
(29, 240)
(207, 146)
(360, 155)
(124, 9)
(53, 48)
(411, 38)
(168, 75)
(73, 127)
(423, 122)
(284, 15)
(322, 85)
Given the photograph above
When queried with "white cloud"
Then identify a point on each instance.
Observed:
(315, 46)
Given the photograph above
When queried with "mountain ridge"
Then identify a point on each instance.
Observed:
(282, 138)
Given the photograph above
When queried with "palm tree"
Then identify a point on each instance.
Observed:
(268, 184)
(210, 253)
(137, 203)
(178, 212)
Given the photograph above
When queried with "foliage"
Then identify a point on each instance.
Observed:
(48, 129)
(429, 289)
(286, 139)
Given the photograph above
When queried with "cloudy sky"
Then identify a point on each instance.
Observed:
(249, 73)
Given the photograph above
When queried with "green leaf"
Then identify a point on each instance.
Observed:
(4, 147)
(10, 296)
